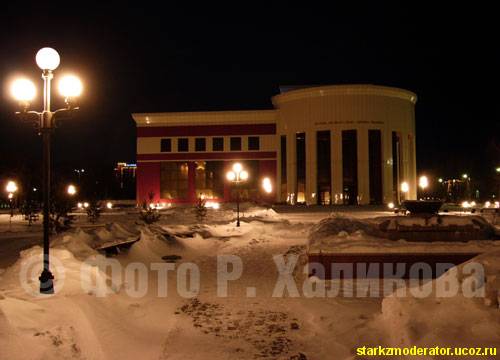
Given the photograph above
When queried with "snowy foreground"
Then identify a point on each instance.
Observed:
(143, 311)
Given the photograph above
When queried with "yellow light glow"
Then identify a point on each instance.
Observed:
(237, 167)
(80, 205)
(423, 182)
(23, 90)
(473, 203)
(71, 190)
(465, 176)
(47, 59)
(390, 205)
(465, 205)
(405, 187)
(487, 204)
(212, 204)
(497, 204)
(85, 204)
(267, 185)
(244, 175)
(109, 205)
(10, 196)
(231, 176)
(70, 86)
(440, 180)
(11, 187)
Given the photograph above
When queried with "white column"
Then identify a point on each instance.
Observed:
(387, 162)
(336, 159)
(291, 165)
(278, 170)
(412, 166)
(363, 167)
(311, 168)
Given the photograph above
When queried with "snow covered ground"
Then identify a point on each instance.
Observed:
(143, 311)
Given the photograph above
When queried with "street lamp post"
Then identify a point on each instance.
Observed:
(79, 172)
(423, 183)
(24, 91)
(11, 189)
(237, 175)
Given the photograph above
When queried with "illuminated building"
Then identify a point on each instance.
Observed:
(345, 144)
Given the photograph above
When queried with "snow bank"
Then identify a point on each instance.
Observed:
(152, 245)
(343, 234)
(458, 320)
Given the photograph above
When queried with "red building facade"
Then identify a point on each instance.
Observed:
(182, 156)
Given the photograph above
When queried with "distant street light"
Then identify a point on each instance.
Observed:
(423, 183)
(405, 188)
(236, 176)
(11, 189)
(497, 169)
(267, 185)
(79, 172)
(71, 190)
(24, 91)
(465, 176)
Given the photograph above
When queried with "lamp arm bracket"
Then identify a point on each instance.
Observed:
(63, 114)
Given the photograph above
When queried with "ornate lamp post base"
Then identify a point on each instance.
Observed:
(46, 282)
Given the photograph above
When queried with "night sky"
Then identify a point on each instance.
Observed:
(193, 59)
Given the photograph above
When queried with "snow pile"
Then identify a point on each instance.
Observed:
(72, 276)
(80, 243)
(261, 214)
(338, 232)
(152, 245)
(226, 213)
(343, 234)
(454, 320)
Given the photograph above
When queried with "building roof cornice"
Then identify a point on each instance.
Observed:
(332, 90)
(205, 117)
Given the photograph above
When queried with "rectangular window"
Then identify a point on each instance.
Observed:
(218, 144)
(174, 180)
(235, 144)
(375, 165)
(182, 144)
(350, 166)
(283, 168)
(200, 144)
(209, 179)
(324, 173)
(253, 143)
(300, 140)
(166, 145)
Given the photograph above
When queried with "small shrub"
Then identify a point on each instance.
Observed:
(30, 210)
(93, 211)
(149, 214)
(200, 209)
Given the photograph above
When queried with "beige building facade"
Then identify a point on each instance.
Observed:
(340, 144)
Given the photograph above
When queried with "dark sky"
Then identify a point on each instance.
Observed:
(153, 58)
